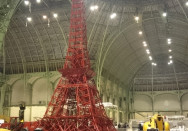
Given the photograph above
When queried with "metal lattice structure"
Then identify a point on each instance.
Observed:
(161, 78)
(39, 48)
(75, 104)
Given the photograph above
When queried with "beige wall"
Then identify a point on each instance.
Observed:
(17, 92)
(185, 102)
(31, 112)
(142, 103)
(165, 103)
(37, 89)
(40, 91)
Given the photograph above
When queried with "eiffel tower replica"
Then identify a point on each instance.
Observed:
(75, 104)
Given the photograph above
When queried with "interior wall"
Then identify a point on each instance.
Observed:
(142, 103)
(17, 92)
(143, 115)
(32, 113)
(166, 102)
(184, 100)
(162, 102)
(42, 91)
(38, 89)
(37, 112)
(55, 83)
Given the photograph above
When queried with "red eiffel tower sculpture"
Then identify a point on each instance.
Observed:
(75, 104)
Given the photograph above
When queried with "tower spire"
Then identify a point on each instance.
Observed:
(75, 104)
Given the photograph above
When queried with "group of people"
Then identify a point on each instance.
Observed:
(121, 125)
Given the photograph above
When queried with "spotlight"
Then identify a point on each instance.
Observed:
(170, 57)
(44, 17)
(169, 39)
(96, 7)
(92, 8)
(169, 50)
(169, 42)
(38, 1)
(140, 33)
(144, 44)
(26, 2)
(29, 19)
(112, 16)
(55, 15)
(147, 51)
(136, 18)
(150, 58)
(154, 64)
(186, 3)
(164, 14)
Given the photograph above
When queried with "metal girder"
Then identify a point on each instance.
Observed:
(6, 12)
(7, 9)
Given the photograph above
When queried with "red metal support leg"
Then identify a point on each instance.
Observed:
(75, 104)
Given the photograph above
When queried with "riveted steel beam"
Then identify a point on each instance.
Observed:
(7, 9)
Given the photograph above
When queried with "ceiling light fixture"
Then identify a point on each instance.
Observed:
(169, 39)
(147, 51)
(170, 62)
(169, 50)
(94, 7)
(150, 58)
(113, 15)
(55, 15)
(186, 3)
(164, 14)
(145, 45)
(136, 18)
(26, 2)
(38, 1)
(44, 17)
(154, 64)
(169, 42)
(170, 57)
(29, 19)
(140, 32)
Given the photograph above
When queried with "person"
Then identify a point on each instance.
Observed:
(125, 125)
(119, 126)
